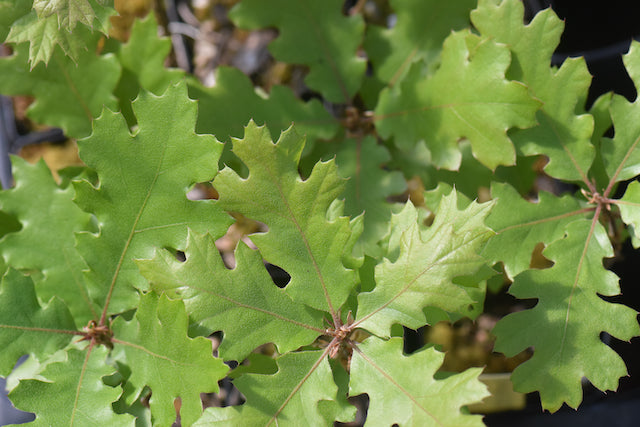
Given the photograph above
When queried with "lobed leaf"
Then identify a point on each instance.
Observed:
(572, 316)
(243, 302)
(141, 201)
(423, 273)
(233, 101)
(52, 23)
(74, 393)
(303, 380)
(45, 243)
(561, 135)
(620, 155)
(467, 97)
(368, 187)
(420, 29)
(68, 95)
(629, 206)
(72, 12)
(163, 357)
(315, 34)
(142, 60)
(27, 327)
(407, 385)
(521, 225)
(301, 239)
(43, 35)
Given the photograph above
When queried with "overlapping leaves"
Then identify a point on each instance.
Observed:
(428, 261)
(165, 159)
(71, 391)
(225, 108)
(68, 95)
(416, 399)
(569, 309)
(479, 104)
(318, 256)
(572, 315)
(142, 60)
(140, 207)
(295, 212)
(369, 187)
(141, 201)
(45, 24)
(313, 34)
(561, 134)
(218, 298)
(393, 50)
(45, 244)
(24, 321)
(187, 366)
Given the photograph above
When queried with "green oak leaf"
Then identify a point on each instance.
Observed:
(601, 112)
(478, 104)
(561, 135)
(26, 326)
(472, 178)
(141, 202)
(427, 263)
(403, 391)
(45, 243)
(225, 108)
(11, 11)
(369, 185)
(398, 223)
(243, 302)
(629, 206)
(433, 198)
(163, 357)
(620, 155)
(520, 225)
(571, 314)
(315, 34)
(72, 12)
(331, 410)
(301, 239)
(52, 23)
(43, 35)
(421, 27)
(339, 409)
(303, 380)
(231, 416)
(68, 95)
(142, 60)
(74, 393)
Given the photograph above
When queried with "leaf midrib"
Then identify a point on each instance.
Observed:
(298, 386)
(247, 306)
(294, 220)
(574, 286)
(397, 385)
(428, 268)
(130, 238)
